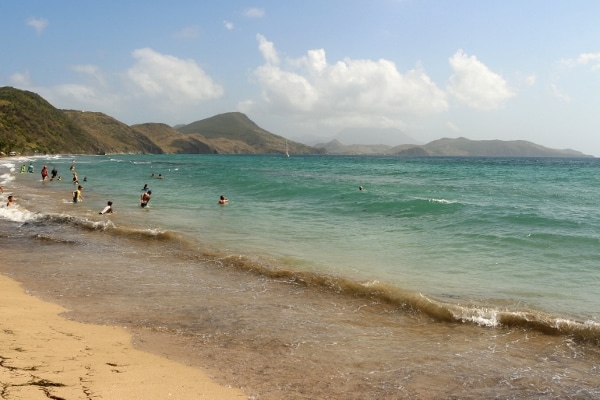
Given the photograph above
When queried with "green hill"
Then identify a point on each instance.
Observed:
(234, 132)
(29, 124)
(113, 136)
(173, 141)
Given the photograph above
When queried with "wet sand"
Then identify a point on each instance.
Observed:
(43, 355)
(272, 334)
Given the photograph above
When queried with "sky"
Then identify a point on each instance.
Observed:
(361, 71)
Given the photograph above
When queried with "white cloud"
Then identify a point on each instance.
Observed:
(347, 92)
(228, 25)
(586, 58)
(267, 49)
(39, 24)
(254, 13)
(583, 59)
(20, 79)
(475, 85)
(90, 70)
(530, 80)
(77, 93)
(169, 77)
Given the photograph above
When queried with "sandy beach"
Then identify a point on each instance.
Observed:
(167, 306)
(43, 355)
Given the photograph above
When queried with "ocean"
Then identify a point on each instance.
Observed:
(442, 278)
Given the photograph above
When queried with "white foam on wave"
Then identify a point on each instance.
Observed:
(7, 176)
(479, 316)
(442, 201)
(16, 213)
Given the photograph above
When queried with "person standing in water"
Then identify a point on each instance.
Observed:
(77, 196)
(145, 198)
(44, 173)
(54, 173)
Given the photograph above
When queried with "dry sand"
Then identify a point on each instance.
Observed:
(44, 356)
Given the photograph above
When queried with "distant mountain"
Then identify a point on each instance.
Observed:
(30, 125)
(454, 147)
(336, 147)
(113, 136)
(171, 140)
(483, 148)
(375, 135)
(234, 132)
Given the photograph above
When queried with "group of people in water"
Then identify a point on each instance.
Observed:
(77, 194)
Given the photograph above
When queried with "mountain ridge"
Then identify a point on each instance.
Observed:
(457, 147)
(31, 125)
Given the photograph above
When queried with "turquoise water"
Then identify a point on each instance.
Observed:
(525, 231)
(444, 278)
(511, 234)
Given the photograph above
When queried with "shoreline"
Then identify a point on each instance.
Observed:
(273, 335)
(47, 356)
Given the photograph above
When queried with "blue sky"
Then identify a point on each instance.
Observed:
(314, 70)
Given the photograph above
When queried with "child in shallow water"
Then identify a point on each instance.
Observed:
(77, 196)
(108, 209)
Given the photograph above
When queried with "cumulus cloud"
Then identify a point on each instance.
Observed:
(228, 25)
(39, 24)
(475, 85)
(349, 91)
(172, 78)
(254, 13)
(267, 49)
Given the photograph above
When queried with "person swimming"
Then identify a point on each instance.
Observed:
(223, 200)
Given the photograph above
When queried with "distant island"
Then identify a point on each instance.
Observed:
(460, 147)
(31, 125)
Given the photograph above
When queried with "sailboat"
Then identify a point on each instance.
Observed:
(287, 153)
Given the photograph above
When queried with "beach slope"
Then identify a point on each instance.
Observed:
(43, 355)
